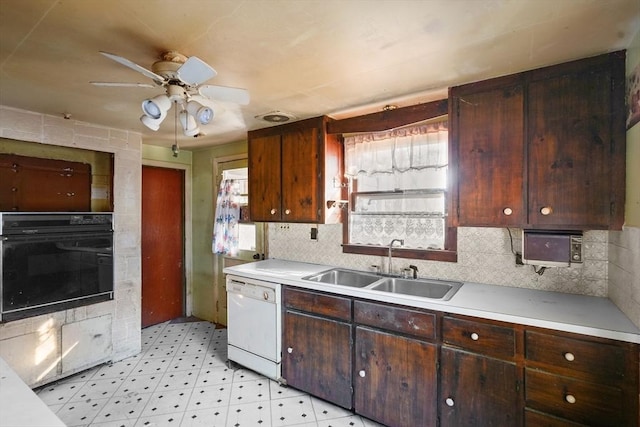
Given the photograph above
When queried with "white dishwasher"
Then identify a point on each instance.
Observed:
(254, 325)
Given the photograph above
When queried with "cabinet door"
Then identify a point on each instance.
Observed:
(478, 390)
(490, 132)
(264, 178)
(41, 185)
(570, 145)
(395, 381)
(317, 356)
(300, 178)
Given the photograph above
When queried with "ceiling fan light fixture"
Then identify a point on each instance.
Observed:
(188, 122)
(202, 114)
(153, 124)
(156, 107)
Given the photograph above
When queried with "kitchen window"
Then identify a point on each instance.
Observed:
(398, 189)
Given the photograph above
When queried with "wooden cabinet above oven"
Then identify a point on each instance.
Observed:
(32, 184)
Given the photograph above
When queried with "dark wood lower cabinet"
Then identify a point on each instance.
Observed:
(410, 367)
(317, 356)
(395, 380)
(478, 391)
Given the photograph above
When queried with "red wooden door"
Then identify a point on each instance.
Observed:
(162, 244)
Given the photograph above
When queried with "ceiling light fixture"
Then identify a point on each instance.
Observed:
(156, 107)
(188, 122)
(202, 114)
(191, 112)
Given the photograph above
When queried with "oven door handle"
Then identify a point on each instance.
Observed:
(99, 251)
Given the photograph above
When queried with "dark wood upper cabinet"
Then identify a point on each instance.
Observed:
(29, 184)
(543, 149)
(294, 169)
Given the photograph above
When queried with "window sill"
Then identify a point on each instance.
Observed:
(425, 254)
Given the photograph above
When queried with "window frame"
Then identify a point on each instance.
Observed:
(390, 119)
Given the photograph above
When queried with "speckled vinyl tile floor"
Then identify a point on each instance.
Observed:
(181, 378)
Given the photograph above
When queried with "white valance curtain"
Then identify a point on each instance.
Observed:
(409, 148)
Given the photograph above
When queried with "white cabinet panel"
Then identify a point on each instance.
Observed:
(86, 343)
(33, 356)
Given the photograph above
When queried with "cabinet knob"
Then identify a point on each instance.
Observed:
(570, 357)
(546, 210)
(449, 401)
(507, 211)
(362, 373)
(287, 211)
(475, 336)
(273, 211)
(289, 350)
(265, 296)
(570, 398)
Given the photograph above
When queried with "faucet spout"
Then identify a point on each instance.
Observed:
(401, 241)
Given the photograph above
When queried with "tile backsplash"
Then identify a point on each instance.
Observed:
(484, 256)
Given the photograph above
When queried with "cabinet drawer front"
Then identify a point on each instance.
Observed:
(593, 361)
(575, 400)
(322, 304)
(395, 319)
(490, 340)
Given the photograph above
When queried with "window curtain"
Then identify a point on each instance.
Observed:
(410, 148)
(225, 227)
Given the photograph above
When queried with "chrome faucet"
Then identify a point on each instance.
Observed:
(401, 241)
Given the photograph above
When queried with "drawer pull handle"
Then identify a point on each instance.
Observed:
(273, 211)
(362, 373)
(570, 398)
(570, 357)
(287, 211)
(507, 211)
(546, 210)
(449, 401)
(289, 350)
(475, 336)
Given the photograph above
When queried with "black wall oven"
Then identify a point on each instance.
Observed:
(54, 261)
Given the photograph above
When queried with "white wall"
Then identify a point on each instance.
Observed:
(126, 146)
(624, 247)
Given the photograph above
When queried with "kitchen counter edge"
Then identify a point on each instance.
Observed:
(587, 315)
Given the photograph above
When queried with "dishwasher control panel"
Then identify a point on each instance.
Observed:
(251, 290)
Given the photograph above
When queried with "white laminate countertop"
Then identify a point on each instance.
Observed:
(595, 316)
(19, 405)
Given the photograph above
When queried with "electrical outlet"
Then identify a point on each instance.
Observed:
(314, 233)
(519, 259)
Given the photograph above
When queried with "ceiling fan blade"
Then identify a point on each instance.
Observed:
(116, 84)
(195, 71)
(124, 61)
(224, 93)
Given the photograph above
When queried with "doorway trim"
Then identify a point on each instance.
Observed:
(188, 253)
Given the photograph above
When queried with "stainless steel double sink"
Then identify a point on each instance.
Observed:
(425, 288)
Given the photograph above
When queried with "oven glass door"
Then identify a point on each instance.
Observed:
(39, 271)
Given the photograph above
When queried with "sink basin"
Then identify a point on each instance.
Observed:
(435, 289)
(344, 277)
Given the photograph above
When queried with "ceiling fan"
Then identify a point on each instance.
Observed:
(182, 79)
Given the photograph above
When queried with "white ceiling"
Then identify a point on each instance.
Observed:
(304, 57)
